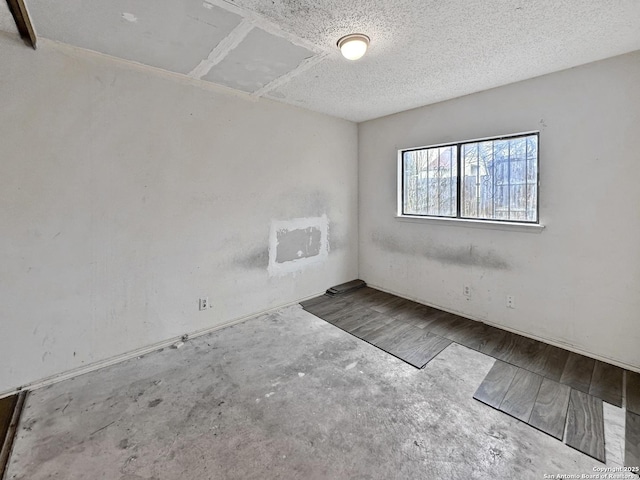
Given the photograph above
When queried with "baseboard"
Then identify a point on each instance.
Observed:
(46, 381)
(566, 346)
(59, 377)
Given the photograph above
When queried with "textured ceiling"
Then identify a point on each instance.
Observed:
(421, 52)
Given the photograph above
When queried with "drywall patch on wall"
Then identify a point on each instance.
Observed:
(296, 244)
(464, 256)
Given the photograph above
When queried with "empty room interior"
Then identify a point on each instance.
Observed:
(367, 239)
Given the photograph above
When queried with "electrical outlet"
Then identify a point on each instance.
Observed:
(511, 303)
(466, 290)
(204, 303)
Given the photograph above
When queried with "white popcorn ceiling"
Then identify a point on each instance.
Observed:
(422, 51)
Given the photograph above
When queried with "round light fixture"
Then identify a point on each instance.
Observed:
(353, 46)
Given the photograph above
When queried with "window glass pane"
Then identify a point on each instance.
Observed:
(532, 202)
(410, 183)
(499, 179)
(478, 188)
(517, 179)
(430, 182)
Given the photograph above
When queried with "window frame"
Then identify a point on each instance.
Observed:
(458, 214)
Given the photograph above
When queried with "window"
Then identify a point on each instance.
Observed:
(498, 180)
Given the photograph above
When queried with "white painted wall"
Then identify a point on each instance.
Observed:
(128, 193)
(578, 282)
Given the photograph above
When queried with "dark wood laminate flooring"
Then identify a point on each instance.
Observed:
(554, 363)
(395, 304)
(416, 313)
(495, 385)
(376, 316)
(549, 412)
(377, 321)
(546, 405)
(578, 372)
(606, 383)
(385, 334)
(482, 337)
(531, 398)
(346, 287)
(632, 442)
(396, 325)
(343, 317)
(527, 353)
(521, 396)
(416, 347)
(585, 424)
(633, 392)
(545, 386)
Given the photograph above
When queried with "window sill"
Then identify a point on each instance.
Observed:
(465, 222)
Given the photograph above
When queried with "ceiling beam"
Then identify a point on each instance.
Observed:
(23, 22)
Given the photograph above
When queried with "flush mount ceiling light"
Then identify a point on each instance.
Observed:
(353, 46)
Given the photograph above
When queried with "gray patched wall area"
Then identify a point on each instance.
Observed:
(463, 256)
(298, 243)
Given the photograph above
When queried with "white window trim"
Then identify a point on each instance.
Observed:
(473, 223)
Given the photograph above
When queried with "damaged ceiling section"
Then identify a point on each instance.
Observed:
(421, 52)
(209, 40)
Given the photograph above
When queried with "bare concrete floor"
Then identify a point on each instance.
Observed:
(287, 396)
